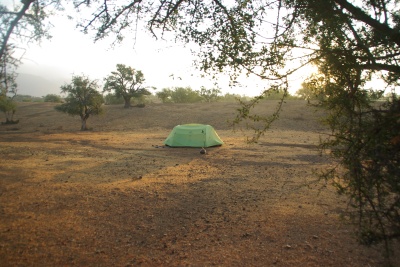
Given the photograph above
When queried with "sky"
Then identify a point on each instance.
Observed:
(164, 64)
(70, 52)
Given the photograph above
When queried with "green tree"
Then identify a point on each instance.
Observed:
(210, 95)
(305, 92)
(7, 103)
(313, 88)
(185, 95)
(8, 107)
(165, 95)
(351, 42)
(82, 100)
(8, 87)
(126, 82)
(112, 99)
(228, 97)
(8, 65)
(52, 98)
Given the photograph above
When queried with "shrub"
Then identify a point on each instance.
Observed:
(185, 95)
(112, 99)
(52, 98)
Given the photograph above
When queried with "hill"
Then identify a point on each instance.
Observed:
(29, 84)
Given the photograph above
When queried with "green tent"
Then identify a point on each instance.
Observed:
(193, 135)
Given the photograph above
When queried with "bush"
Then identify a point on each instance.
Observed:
(52, 98)
(165, 95)
(366, 143)
(185, 95)
(9, 107)
(112, 99)
(210, 95)
(233, 97)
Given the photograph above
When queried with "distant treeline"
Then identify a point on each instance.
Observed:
(188, 95)
(172, 95)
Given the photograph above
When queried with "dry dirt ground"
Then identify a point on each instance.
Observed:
(113, 197)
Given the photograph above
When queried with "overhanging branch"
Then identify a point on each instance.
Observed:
(360, 15)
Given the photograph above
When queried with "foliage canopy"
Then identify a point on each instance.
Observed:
(126, 82)
(52, 98)
(8, 107)
(82, 100)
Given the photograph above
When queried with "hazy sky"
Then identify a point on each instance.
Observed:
(71, 52)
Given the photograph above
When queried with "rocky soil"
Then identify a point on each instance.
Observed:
(115, 196)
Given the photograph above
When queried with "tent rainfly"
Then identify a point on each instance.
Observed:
(193, 135)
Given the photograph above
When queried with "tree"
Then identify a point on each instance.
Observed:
(313, 88)
(126, 82)
(83, 99)
(8, 107)
(52, 98)
(210, 95)
(228, 97)
(112, 99)
(7, 103)
(351, 42)
(185, 95)
(165, 95)
(8, 76)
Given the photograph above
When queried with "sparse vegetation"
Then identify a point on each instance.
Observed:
(165, 95)
(210, 95)
(83, 99)
(112, 99)
(127, 83)
(185, 95)
(52, 98)
(8, 107)
(228, 97)
(188, 95)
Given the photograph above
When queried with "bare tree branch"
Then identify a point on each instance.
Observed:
(13, 24)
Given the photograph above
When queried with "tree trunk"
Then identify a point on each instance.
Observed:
(83, 126)
(127, 102)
